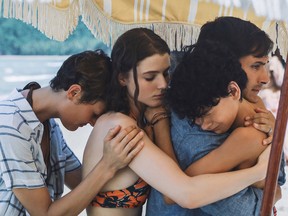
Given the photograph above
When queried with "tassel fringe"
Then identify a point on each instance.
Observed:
(40, 15)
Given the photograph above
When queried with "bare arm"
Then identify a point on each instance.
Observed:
(240, 150)
(117, 154)
(160, 171)
(161, 130)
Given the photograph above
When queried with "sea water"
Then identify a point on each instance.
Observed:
(17, 71)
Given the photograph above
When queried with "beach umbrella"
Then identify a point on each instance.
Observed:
(178, 22)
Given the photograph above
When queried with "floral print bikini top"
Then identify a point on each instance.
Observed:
(131, 197)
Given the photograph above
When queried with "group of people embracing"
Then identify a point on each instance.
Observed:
(190, 141)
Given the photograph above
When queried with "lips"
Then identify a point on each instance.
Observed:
(159, 96)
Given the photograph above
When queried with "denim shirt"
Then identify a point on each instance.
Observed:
(191, 143)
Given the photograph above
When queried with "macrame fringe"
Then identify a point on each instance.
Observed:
(41, 16)
(108, 30)
(58, 24)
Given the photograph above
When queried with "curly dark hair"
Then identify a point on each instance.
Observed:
(89, 69)
(241, 36)
(202, 77)
(130, 48)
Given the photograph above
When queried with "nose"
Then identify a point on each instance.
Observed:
(264, 77)
(202, 123)
(162, 84)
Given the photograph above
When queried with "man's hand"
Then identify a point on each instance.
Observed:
(120, 147)
(264, 121)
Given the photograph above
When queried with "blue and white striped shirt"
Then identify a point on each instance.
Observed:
(21, 160)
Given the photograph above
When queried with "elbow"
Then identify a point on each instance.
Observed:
(189, 202)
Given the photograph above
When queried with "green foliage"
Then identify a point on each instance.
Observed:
(19, 38)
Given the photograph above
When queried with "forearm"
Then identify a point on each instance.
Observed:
(163, 139)
(232, 182)
(77, 200)
(190, 192)
(220, 186)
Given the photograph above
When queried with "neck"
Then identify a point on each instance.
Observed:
(45, 103)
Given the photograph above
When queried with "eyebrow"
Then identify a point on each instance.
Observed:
(156, 71)
(260, 62)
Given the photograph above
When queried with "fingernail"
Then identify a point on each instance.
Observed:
(255, 124)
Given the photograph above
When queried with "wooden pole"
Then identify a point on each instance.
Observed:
(276, 150)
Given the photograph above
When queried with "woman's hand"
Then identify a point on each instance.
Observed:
(150, 112)
(264, 121)
(120, 147)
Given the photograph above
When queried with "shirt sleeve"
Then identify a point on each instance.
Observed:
(18, 159)
(66, 156)
(282, 175)
(246, 202)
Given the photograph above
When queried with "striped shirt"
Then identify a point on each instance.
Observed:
(21, 160)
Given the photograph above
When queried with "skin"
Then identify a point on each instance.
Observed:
(246, 147)
(258, 75)
(152, 80)
(187, 192)
(119, 149)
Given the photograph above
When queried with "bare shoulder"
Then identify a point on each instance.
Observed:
(247, 135)
(114, 118)
(110, 120)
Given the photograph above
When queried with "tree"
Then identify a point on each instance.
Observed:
(19, 38)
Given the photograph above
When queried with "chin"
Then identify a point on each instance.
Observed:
(253, 99)
(71, 128)
(153, 105)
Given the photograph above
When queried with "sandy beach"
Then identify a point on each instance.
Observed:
(77, 140)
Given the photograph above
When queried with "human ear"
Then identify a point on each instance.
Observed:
(234, 90)
(74, 92)
(122, 79)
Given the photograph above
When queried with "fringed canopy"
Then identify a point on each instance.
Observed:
(178, 22)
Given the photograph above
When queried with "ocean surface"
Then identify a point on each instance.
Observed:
(17, 71)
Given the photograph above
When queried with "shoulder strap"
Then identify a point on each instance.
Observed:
(31, 86)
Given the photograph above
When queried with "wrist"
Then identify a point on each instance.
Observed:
(107, 168)
(158, 117)
(261, 172)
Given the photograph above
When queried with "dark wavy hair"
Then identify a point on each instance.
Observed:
(242, 37)
(202, 77)
(89, 69)
(130, 48)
